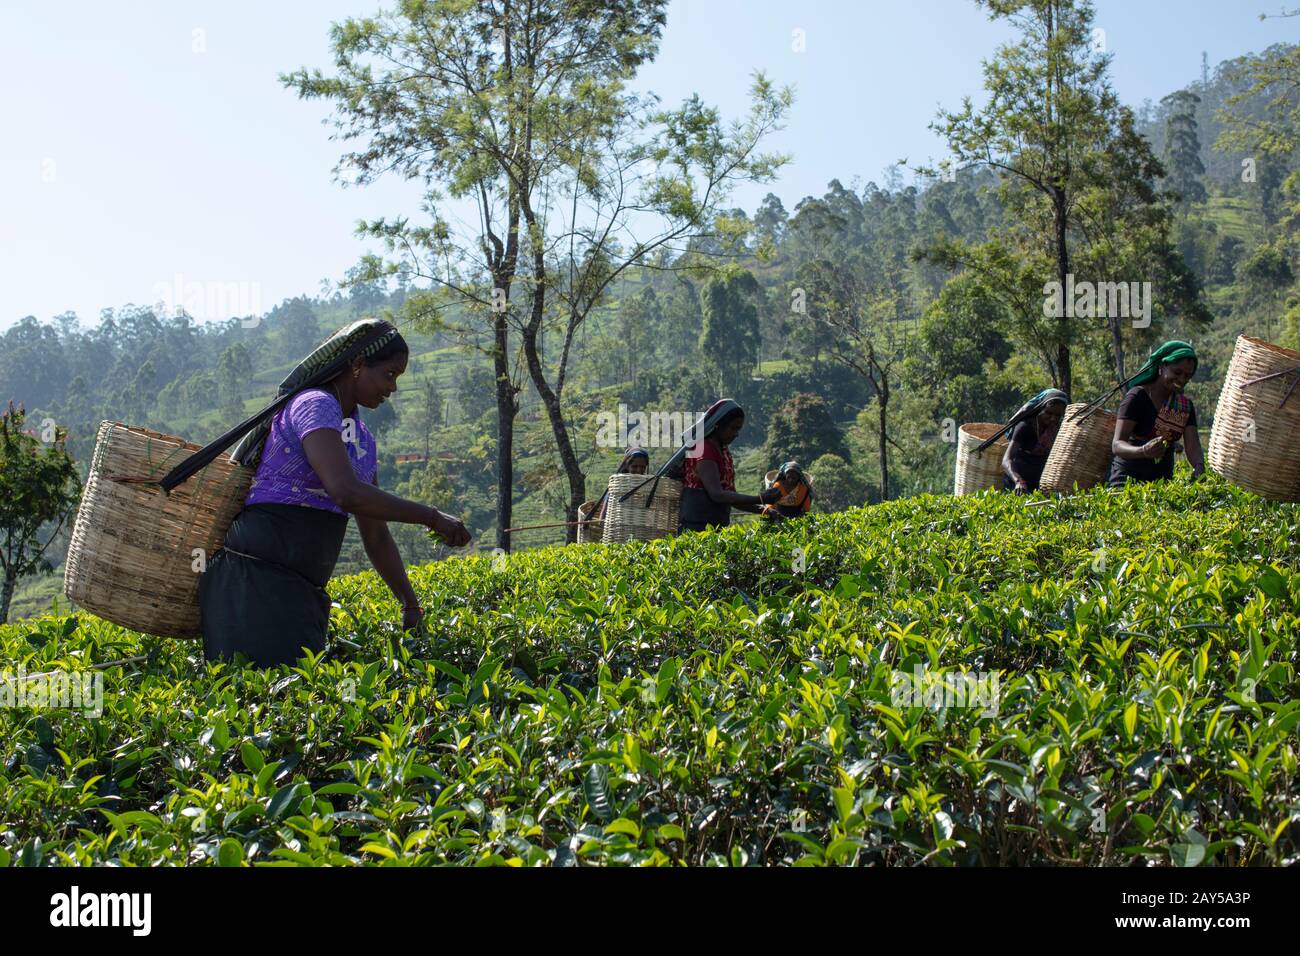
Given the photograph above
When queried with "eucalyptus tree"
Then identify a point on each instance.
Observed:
(459, 94)
(520, 110)
(863, 304)
(1183, 147)
(1075, 179)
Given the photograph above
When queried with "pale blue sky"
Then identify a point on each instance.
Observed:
(138, 150)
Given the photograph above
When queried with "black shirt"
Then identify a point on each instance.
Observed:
(1029, 453)
(1177, 415)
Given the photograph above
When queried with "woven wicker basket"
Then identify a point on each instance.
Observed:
(131, 557)
(589, 532)
(631, 520)
(1081, 453)
(978, 471)
(1255, 441)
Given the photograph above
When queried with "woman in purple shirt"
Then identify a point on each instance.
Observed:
(263, 593)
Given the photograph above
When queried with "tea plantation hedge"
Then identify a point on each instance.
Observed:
(722, 699)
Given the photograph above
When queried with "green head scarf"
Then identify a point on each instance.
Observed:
(364, 337)
(1171, 351)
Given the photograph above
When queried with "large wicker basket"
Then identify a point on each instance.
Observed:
(977, 471)
(132, 555)
(1081, 454)
(589, 531)
(1255, 441)
(632, 520)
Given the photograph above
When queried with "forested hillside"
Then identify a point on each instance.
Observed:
(754, 310)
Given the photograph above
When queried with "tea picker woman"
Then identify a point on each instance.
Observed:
(1154, 416)
(709, 474)
(1033, 431)
(263, 593)
(636, 461)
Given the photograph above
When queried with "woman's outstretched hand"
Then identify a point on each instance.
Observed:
(1155, 449)
(450, 529)
(412, 616)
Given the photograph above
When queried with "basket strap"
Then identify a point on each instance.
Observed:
(1096, 403)
(624, 497)
(1264, 378)
(1004, 430)
(653, 488)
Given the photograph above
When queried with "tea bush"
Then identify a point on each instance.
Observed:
(724, 698)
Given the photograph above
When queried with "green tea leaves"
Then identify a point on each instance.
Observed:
(595, 787)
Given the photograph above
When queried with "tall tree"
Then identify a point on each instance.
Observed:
(429, 90)
(1075, 176)
(522, 108)
(1050, 118)
(297, 324)
(803, 430)
(1266, 272)
(769, 225)
(640, 316)
(233, 371)
(1183, 148)
(32, 365)
(729, 335)
(867, 314)
(1125, 232)
(430, 406)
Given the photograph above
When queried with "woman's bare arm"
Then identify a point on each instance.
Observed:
(329, 459)
(1195, 454)
(1008, 465)
(1123, 448)
(712, 482)
(382, 551)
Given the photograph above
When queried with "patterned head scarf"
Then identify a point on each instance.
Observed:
(1171, 351)
(718, 413)
(363, 338)
(634, 452)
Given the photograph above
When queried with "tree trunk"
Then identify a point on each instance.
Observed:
(551, 397)
(429, 412)
(554, 413)
(1062, 270)
(882, 396)
(506, 409)
(1117, 340)
(7, 596)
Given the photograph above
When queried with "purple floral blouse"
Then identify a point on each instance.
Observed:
(284, 476)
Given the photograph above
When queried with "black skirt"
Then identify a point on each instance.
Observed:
(263, 593)
(699, 512)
